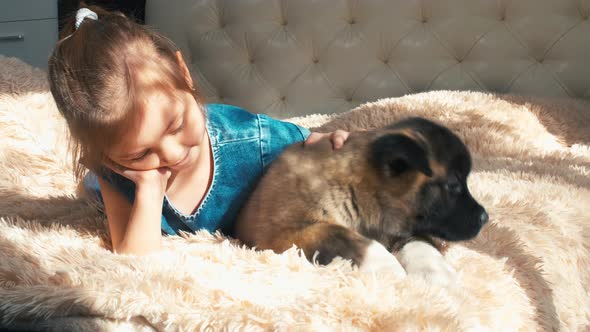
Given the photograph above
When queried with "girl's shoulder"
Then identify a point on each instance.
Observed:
(229, 123)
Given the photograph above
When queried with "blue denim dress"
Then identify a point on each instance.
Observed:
(243, 145)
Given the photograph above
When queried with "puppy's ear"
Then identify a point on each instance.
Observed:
(396, 154)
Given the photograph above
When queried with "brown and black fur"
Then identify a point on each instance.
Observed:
(405, 181)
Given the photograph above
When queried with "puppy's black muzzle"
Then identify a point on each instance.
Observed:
(483, 218)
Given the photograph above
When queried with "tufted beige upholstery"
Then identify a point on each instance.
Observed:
(287, 58)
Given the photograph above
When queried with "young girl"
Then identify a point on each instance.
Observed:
(161, 160)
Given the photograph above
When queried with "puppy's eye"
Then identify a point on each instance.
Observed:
(453, 188)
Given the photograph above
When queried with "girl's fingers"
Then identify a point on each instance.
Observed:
(117, 168)
(165, 172)
(314, 138)
(338, 138)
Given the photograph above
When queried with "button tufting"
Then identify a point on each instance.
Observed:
(356, 55)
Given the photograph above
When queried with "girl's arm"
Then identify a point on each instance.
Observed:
(136, 228)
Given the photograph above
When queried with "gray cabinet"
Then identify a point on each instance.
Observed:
(28, 30)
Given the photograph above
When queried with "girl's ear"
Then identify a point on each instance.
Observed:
(184, 68)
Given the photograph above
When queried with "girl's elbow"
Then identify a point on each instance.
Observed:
(124, 248)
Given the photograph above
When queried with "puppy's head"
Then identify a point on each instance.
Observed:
(427, 166)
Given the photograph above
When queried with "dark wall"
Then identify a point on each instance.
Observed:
(131, 8)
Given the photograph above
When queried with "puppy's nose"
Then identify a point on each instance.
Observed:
(483, 218)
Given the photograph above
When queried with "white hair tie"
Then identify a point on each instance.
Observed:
(84, 13)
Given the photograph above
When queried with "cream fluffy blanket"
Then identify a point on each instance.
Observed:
(529, 269)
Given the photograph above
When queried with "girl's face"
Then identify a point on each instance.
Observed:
(168, 130)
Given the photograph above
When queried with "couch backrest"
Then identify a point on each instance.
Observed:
(288, 58)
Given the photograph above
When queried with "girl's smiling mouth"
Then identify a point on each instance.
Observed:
(181, 163)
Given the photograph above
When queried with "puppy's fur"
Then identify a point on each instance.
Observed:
(381, 190)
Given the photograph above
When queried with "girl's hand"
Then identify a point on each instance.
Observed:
(153, 178)
(337, 138)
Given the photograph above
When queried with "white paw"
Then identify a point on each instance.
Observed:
(378, 259)
(423, 260)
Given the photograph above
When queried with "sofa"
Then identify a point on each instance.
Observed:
(291, 58)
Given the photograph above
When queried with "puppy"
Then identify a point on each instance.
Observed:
(401, 188)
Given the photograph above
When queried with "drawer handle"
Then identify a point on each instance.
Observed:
(15, 37)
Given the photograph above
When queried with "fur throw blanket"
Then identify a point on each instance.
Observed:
(528, 270)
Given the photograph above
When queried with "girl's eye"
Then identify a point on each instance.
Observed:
(142, 156)
(179, 129)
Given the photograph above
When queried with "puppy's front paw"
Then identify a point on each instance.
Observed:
(377, 259)
(423, 260)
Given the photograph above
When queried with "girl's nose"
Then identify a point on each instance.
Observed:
(171, 151)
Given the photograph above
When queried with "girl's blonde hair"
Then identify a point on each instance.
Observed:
(98, 75)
